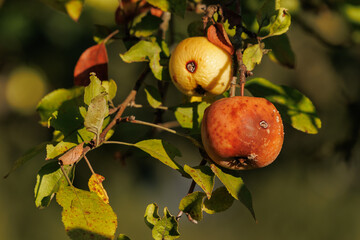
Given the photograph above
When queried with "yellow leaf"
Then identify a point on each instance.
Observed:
(74, 8)
(95, 185)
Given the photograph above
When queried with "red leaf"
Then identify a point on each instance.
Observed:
(93, 59)
(217, 35)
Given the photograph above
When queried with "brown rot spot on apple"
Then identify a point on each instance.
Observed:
(200, 90)
(175, 78)
(191, 66)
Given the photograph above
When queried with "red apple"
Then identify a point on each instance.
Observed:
(242, 132)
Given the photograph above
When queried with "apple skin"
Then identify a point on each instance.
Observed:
(242, 132)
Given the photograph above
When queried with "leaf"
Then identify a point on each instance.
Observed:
(110, 88)
(217, 35)
(144, 51)
(73, 155)
(71, 7)
(145, 25)
(123, 237)
(203, 176)
(94, 59)
(220, 201)
(192, 204)
(153, 96)
(175, 6)
(26, 157)
(48, 181)
(266, 11)
(93, 89)
(53, 101)
(281, 51)
(279, 24)
(97, 111)
(252, 56)
(85, 215)
(294, 107)
(160, 150)
(95, 185)
(166, 228)
(190, 115)
(195, 29)
(151, 215)
(235, 185)
(61, 147)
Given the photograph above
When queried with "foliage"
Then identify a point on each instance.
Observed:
(83, 117)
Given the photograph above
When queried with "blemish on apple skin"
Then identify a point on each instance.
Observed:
(264, 124)
(191, 66)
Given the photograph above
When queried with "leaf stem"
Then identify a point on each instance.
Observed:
(120, 143)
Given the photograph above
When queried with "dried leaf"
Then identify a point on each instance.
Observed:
(218, 36)
(93, 59)
(73, 155)
(95, 185)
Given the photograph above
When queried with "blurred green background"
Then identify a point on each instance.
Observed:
(312, 191)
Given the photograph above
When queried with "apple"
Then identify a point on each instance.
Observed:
(242, 132)
(198, 67)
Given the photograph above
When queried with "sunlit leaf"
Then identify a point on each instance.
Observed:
(235, 185)
(166, 228)
(73, 155)
(94, 59)
(95, 185)
(71, 7)
(203, 176)
(61, 147)
(85, 215)
(145, 25)
(279, 23)
(220, 201)
(97, 111)
(160, 150)
(48, 181)
(93, 89)
(27, 156)
(281, 51)
(175, 6)
(144, 51)
(294, 107)
(153, 96)
(252, 56)
(151, 215)
(52, 102)
(190, 115)
(352, 12)
(192, 204)
(110, 88)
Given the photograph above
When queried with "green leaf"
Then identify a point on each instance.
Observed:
(52, 102)
(203, 176)
(160, 150)
(192, 204)
(153, 96)
(294, 107)
(71, 7)
(279, 24)
(26, 157)
(281, 51)
(190, 115)
(97, 111)
(151, 215)
(110, 88)
(48, 181)
(175, 6)
(351, 12)
(195, 29)
(220, 201)
(123, 237)
(252, 56)
(144, 51)
(93, 89)
(61, 147)
(85, 215)
(166, 228)
(145, 25)
(266, 11)
(235, 185)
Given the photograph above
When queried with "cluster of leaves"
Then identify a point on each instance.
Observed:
(83, 117)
